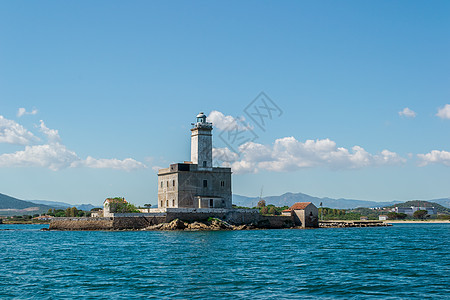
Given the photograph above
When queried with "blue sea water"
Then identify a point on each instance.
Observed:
(406, 261)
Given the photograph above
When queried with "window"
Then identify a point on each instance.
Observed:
(222, 183)
(205, 183)
(162, 203)
(161, 183)
(173, 203)
(204, 164)
(167, 183)
(173, 182)
(167, 203)
(211, 202)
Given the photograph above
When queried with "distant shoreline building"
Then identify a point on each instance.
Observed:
(196, 183)
(411, 210)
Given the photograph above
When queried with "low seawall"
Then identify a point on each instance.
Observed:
(111, 223)
(81, 224)
(142, 220)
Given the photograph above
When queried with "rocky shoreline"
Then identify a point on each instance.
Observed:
(210, 225)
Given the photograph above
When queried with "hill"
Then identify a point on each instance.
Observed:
(10, 206)
(443, 201)
(439, 208)
(288, 199)
(63, 205)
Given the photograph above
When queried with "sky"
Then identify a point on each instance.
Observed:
(341, 99)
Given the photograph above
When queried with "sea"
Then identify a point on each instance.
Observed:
(405, 261)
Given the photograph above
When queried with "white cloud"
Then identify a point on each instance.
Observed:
(227, 123)
(22, 111)
(444, 112)
(406, 112)
(52, 134)
(54, 157)
(14, 133)
(128, 164)
(434, 157)
(288, 154)
(224, 155)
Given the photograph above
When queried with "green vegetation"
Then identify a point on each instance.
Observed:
(68, 212)
(120, 205)
(25, 219)
(421, 214)
(396, 216)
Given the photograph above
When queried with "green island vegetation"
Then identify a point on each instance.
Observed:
(326, 213)
(120, 205)
(25, 219)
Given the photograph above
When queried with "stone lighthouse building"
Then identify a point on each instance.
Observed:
(196, 183)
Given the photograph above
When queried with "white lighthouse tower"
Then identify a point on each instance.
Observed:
(201, 143)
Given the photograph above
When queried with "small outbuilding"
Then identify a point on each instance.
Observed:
(305, 214)
(382, 217)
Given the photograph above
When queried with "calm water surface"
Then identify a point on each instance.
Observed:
(403, 261)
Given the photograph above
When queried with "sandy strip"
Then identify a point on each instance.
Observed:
(417, 221)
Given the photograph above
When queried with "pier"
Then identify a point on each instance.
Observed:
(359, 223)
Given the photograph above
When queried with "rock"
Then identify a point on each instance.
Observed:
(176, 224)
(240, 227)
(198, 226)
(217, 224)
(155, 227)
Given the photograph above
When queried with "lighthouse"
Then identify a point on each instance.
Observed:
(196, 183)
(201, 143)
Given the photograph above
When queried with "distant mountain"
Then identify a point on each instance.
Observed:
(443, 201)
(85, 206)
(54, 204)
(10, 206)
(63, 205)
(288, 199)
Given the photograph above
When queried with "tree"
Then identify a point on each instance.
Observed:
(120, 205)
(272, 210)
(392, 215)
(261, 203)
(420, 214)
(264, 210)
(147, 205)
(401, 216)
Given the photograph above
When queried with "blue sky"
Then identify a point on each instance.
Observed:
(117, 84)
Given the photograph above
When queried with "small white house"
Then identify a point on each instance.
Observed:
(382, 217)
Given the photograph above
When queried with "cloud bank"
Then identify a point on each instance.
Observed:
(288, 154)
(434, 157)
(14, 133)
(53, 154)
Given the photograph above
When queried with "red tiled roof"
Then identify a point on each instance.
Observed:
(286, 210)
(299, 205)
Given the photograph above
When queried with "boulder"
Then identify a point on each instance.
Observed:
(176, 224)
(198, 226)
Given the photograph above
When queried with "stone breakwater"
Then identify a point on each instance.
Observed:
(342, 223)
(140, 222)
